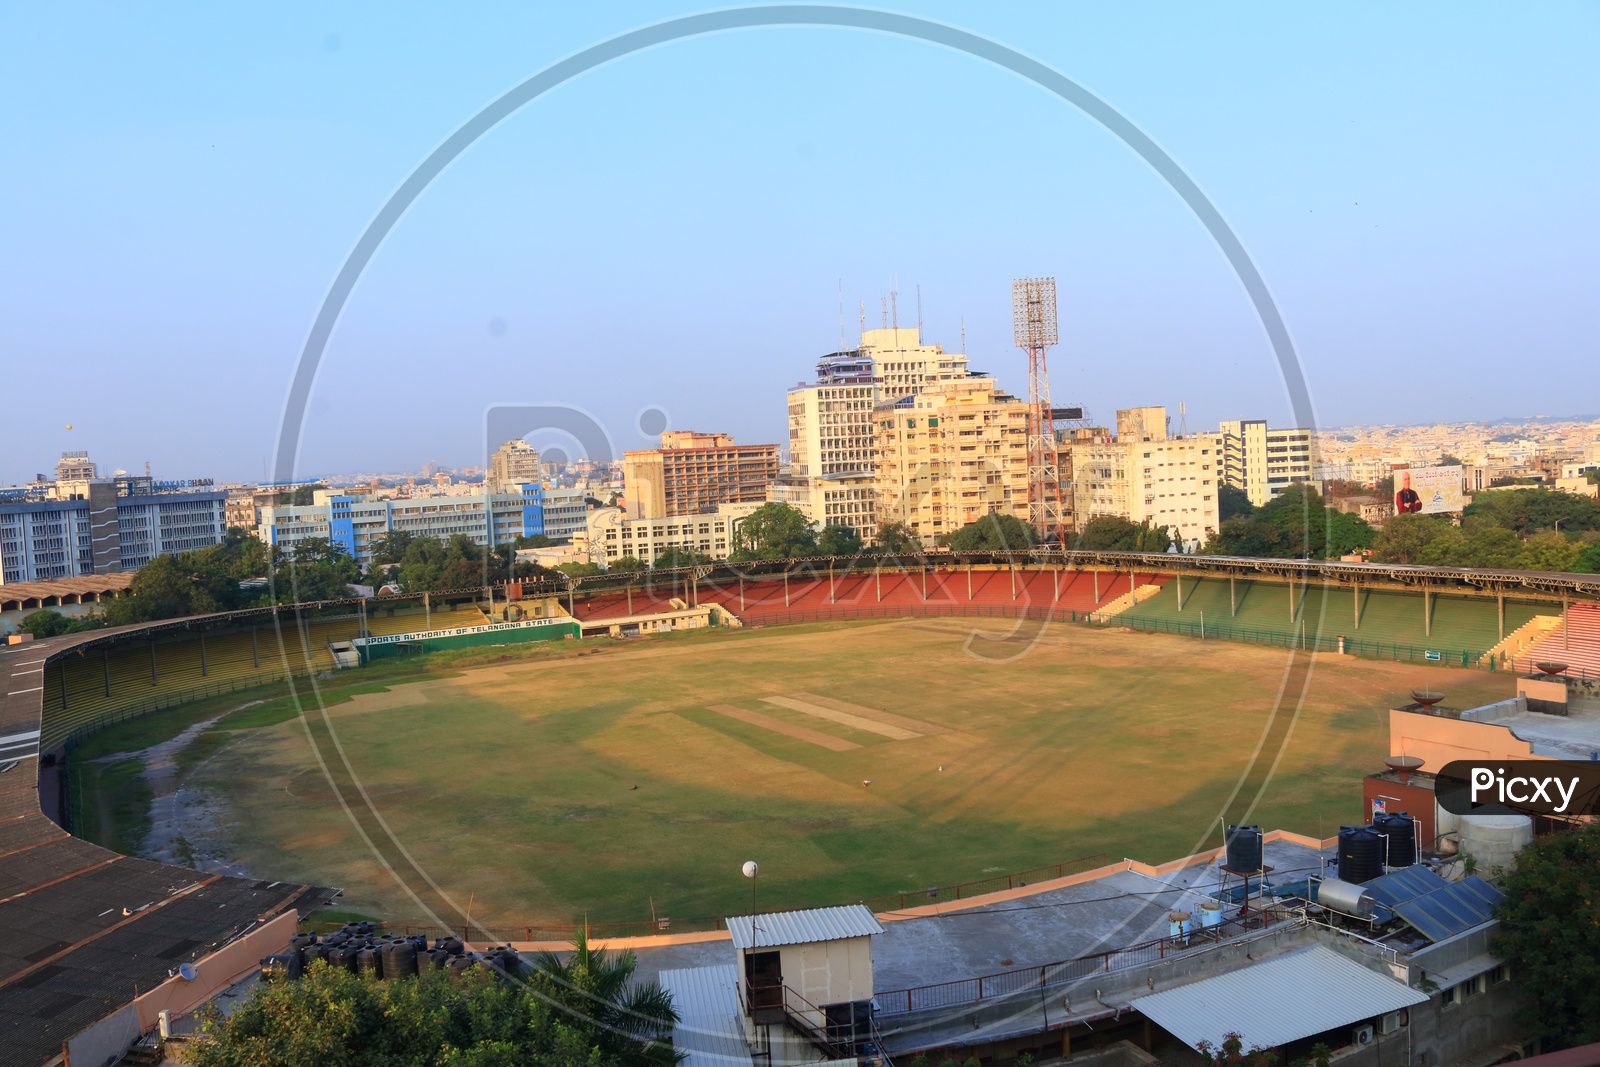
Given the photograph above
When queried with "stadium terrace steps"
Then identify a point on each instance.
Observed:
(1520, 640)
(1575, 642)
(101, 683)
(1460, 623)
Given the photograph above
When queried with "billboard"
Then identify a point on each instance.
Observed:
(1427, 490)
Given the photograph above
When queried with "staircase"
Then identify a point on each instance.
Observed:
(1125, 602)
(782, 1005)
(1517, 641)
(1576, 642)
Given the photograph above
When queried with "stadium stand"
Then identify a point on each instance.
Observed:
(892, 591)
(85, 929)
(1575, 642)
(1388, 619)
(143, 674)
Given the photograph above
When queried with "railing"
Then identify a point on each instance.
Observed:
(795, 1011)
(134, 710)
(964, 991)
(646, 927)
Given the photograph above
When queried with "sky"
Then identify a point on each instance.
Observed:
(666, 237)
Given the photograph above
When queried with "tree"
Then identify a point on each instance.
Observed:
(333, 1017)
(1487, 546)
(301, 496)
(1528, 511)
(1447, 459)
(392, 546)
(896, 539)
(1550, 937)
(775, 531)
(533, 541)
(995, 532)
(48, 622)
(626, 565)
(1113, 533)
(631, 1019)
(1587, 560)
(1247, 537)
(1404, 537)
(1232, 502)
(1547, 552)
(675, 558)
(836, 539)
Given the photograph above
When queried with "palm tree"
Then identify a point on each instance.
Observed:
(631, 1020)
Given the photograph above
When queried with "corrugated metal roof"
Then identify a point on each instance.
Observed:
(709, 1030)
(802, 927)
(1281, 1000)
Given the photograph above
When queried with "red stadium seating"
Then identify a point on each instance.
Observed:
(1576, 642)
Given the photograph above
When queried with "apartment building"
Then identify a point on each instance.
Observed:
(695, 473)
(1264, 462)
(82, 524)
(486, 517)
(611, 534)
(514, 463)
(949, 455)
(1171, 482)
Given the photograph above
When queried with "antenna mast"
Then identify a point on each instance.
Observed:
(1033, 316)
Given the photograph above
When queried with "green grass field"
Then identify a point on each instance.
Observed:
(558, 786)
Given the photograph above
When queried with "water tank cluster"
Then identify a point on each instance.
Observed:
(359, 948)
(1366, 851)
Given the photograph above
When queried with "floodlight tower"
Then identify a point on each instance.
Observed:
(1033, 316)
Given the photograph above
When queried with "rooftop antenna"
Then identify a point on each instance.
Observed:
(863, 314)
(894, 307)
(963, 334)
(147, 468)
(883, 309)
(919, 311)
(1183, 419)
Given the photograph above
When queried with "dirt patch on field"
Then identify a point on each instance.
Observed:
(799, 733)
(916, 726)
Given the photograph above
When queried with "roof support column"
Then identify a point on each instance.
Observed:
(1233, 597)
(1179, 577)
(105, 662)
(202, 653)
(255, 649)
(153, 680)
(1500, 597)
(1427, 612)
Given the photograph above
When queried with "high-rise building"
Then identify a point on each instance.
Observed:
(75, 467)
(904, 366)
(612, 535)
(1169, 481)
(81, 524)
(1264, 462)
(694, 473)
(950, 455)
(514, 463)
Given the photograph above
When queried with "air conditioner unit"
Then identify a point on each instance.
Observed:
(1389, 1023)
(1364, 1035)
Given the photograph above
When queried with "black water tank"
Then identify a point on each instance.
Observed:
(369, 962)
(399, 959)
(1360, 854)
(344, 957)
(1244, 848)
(312, 953)
(1401, 830)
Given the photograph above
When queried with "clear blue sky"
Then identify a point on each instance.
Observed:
(1416, 182)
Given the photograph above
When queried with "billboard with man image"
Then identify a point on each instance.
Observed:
(1427, 490)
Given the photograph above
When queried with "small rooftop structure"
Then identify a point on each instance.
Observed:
(802, 927)
(1282, 1000)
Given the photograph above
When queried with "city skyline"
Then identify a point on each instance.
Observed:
(1397, 178)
